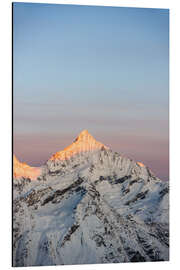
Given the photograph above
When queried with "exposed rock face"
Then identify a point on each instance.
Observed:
(94, 206)
(23, 170)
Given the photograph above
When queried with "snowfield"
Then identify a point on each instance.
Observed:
(95, 207)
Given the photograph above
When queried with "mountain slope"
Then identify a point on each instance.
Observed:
(23, 170)
(93, 206)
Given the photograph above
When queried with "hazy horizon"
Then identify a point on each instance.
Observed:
(104, 69)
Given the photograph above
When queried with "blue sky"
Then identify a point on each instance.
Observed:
(104, 69)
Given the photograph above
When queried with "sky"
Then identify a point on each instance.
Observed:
(104, 69)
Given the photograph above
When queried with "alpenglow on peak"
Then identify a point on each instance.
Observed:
(84, 142)
(21, 169)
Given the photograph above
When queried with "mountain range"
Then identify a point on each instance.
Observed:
(86, 205)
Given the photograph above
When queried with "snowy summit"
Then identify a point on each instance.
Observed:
(89, 205)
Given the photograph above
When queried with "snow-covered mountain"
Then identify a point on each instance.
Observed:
(23, 170)
(90, 205)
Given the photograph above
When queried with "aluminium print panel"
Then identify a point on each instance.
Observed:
(90, 134)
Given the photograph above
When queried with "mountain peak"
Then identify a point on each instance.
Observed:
(84, 136)
(84, 132)
(21, 169)
(84, 142)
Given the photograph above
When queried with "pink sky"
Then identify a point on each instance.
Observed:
(97, 68)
